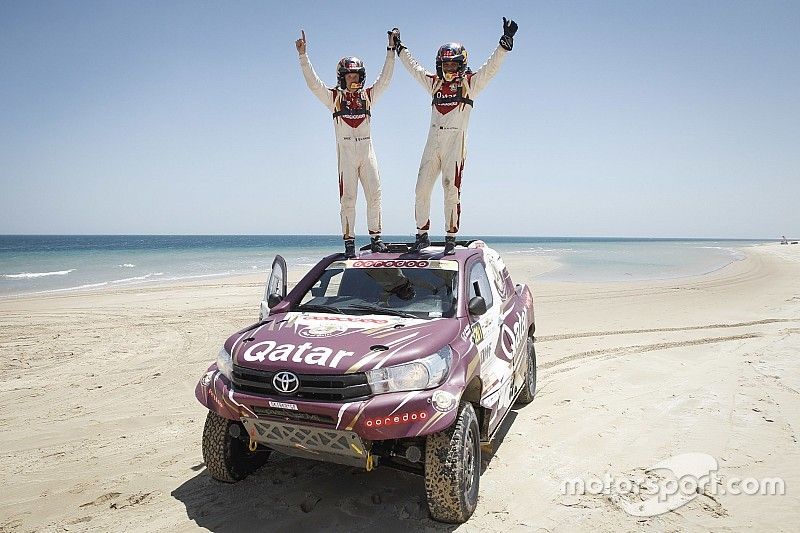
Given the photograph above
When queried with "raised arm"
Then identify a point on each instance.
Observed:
(382, 82)
(481, 78)
(417, 71)
(316, 85)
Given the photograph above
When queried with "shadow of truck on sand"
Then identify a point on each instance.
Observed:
(289, 491)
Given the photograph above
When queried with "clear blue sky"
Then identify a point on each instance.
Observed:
(608, 118)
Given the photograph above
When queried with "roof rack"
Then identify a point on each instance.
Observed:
(407, 247)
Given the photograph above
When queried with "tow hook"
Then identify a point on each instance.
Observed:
(253, 445)
(372, 462)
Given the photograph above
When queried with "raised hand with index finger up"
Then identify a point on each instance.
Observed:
(300, 43)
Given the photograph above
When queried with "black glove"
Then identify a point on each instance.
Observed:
(509, 29)
(397, 44)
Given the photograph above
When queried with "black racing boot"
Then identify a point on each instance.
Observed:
(450, 245)
(422, 242)
(378, 246)
(350, 249)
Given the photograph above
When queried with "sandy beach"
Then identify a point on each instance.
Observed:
(100, 430)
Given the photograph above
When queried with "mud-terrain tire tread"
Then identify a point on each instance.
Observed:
(228, 459)
(526, 395)
(444, 469)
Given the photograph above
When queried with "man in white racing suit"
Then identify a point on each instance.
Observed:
(453, 88)
(351, 105)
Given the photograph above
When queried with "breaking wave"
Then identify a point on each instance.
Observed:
(138, 278)
(29, 275)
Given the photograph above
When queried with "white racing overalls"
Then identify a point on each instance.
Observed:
(356, 158)
(446, 148)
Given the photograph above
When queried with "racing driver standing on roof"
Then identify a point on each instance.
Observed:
(453, 88)
(351, 103)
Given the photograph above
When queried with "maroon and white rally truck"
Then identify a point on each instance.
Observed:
(401, 359)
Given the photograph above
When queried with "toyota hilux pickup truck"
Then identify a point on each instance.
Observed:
(409, 360)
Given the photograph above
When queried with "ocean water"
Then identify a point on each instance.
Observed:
(60, 263)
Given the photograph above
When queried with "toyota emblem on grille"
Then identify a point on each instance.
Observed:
(285, 382)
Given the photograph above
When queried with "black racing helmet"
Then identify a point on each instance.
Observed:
(451, 52)
(347, 65)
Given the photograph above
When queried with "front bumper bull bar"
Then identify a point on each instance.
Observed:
(329, 445)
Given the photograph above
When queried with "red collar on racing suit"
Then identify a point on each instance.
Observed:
(449, 96)
(352, 107)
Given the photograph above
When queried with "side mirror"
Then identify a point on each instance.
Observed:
(274, 299)
(477, 305)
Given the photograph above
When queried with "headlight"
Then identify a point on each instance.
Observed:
(225, 363)
(423, 374)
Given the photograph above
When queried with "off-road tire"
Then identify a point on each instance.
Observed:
(452, 468)
(529, 387)
(227, 458)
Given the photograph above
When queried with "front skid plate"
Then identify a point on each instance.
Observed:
(329, 445)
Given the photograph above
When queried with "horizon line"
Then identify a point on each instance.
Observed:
(464, 237)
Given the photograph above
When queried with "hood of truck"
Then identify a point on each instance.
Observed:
(319, 343)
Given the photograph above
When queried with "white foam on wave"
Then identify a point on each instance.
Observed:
(131, 281)
(541, 250)
(147, 278)
(138, 278)
(126, 265)
(731, 251)
(29, 275)
(194, 276)
(79, 287)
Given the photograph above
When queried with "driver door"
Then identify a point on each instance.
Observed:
(495, 369)
(275, 290)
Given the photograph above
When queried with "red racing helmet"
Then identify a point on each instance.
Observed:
(348, 65)
(451, 52)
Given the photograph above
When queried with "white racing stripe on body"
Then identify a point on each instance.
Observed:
(366, 359)
(342, 409)
(230, 395)
(406, 399)
(371, 355)
(401, 339)
(246, 333)
(397, 349)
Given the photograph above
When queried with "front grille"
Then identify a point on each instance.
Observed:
(312, 386)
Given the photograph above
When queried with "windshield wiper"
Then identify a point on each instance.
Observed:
(319, 307)
(381, 310)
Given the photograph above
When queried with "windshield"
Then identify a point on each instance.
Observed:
(428, 291)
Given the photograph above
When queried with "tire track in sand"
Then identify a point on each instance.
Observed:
(546, 338)
(641, 348)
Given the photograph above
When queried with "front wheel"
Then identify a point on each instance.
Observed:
(452, 468)
(529, 387)
(225, 450)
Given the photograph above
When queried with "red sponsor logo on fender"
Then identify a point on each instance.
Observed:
(392, 420)
(392, 263)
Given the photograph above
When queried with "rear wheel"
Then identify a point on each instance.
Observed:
(452, 468)
(529, 388)
(225, 450)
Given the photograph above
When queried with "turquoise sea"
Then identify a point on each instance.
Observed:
(59, 263)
